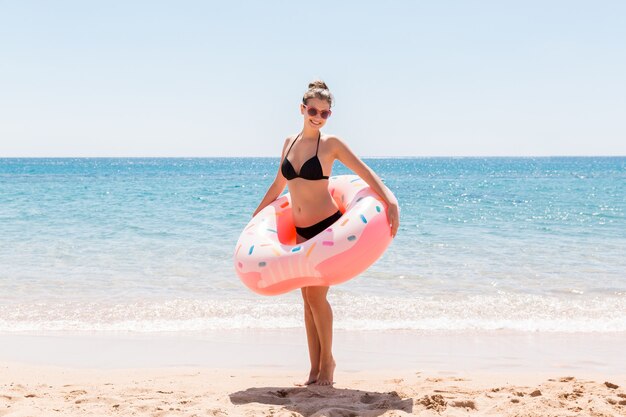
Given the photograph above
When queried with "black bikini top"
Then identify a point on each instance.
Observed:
(311, 169)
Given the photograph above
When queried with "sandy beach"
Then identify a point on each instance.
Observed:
(43, 391)
(257, 374)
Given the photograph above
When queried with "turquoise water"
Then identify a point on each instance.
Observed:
(144, 245)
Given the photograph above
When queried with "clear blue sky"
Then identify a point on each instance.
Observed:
(224, 78)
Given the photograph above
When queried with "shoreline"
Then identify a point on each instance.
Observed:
(485, 351)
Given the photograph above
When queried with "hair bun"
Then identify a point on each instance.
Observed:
(318, 84)
(318, 89)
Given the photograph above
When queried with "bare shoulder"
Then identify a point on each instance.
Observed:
(334, 144)
(291, 138)
(333, 140)
(288, 140)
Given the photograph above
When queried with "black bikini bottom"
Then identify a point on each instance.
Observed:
(317, 228)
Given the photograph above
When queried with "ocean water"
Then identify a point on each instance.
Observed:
(146, 245)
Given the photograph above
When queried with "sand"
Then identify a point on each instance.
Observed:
(46, 391)
(255, 374)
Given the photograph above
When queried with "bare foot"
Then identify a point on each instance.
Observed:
(327, 373)
(312, 379)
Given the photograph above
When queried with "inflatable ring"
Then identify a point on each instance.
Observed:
(269, 261)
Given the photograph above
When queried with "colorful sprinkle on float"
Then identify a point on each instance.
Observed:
(269, 262)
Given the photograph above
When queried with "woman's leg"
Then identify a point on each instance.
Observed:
(312, 339)
(322, 315)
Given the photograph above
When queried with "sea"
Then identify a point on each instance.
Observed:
(145, 245)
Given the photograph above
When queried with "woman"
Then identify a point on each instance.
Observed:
(314, 210)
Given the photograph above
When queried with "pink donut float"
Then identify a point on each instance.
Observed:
(269, 261)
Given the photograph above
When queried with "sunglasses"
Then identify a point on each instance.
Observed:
(312, 111)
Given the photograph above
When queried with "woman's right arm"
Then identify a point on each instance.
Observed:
(277, 186)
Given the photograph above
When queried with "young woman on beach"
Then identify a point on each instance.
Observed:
(314, 210)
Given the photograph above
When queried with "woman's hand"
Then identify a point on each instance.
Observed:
(393, 217)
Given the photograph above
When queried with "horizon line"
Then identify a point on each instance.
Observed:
(363, 157)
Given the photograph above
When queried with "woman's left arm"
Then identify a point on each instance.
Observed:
(343, 153)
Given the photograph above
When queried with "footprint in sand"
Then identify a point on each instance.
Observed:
(395, 381)
(467, 404)
(218, 413)
(433, 402)
(72, 395)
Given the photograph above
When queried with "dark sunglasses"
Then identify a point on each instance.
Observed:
(312, 111)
